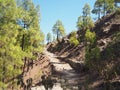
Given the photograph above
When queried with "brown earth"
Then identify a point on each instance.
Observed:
(40, 67)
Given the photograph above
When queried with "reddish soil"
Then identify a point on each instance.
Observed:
(40, 67)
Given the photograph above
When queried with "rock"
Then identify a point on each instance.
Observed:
(102, 42)
(79, 67)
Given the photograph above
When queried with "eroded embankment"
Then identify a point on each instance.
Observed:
(33, 71)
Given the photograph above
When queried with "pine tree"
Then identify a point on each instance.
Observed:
(103, 7)
(110, 6)
(10, 54)
(20, 36)
(31, 34)
(58, 29)
(97, 8)
(116, 3)
(49, 37)
(84, 22)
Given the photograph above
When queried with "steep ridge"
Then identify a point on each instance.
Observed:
(107, 31)
(104, 29)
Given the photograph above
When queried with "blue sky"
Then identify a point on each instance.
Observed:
(67, 11)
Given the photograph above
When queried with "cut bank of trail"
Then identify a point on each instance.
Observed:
(66, 77)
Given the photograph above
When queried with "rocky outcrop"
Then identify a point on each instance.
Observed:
(107, 25)
(77, 66)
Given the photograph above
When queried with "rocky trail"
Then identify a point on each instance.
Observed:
(72, 59)
(67, 78)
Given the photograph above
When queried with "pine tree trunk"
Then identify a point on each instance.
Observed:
(4, 70)
(57, 36)
(23, 42)
(23, 38)
(104, 8)
(99, 12)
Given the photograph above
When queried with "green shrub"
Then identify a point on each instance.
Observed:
(73, 39)
(118, 11)
(92, 56)
(108, 53)
(90, 36)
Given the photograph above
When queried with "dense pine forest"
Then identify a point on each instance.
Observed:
(92, 50)
(20, 37)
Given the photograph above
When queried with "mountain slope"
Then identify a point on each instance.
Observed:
(107, 68)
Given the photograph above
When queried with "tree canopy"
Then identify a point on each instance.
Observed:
(102, 7)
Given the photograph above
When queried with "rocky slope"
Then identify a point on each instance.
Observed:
(33, 71)
(107, 31)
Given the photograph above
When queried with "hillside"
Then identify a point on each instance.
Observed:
(88, 58)
(104, 28)
(105, 70)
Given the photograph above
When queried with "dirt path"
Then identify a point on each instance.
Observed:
(59, 65)
(64, 72)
